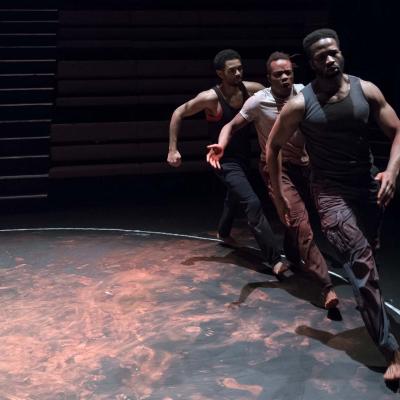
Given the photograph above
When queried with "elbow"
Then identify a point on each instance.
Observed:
(177, 115)
(271, 150)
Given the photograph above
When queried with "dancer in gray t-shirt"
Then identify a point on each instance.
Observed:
(263, 108)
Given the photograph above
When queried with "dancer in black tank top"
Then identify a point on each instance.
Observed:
(220, 104)
(239, 148)
(332, 113)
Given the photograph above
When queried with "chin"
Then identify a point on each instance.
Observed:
(333, 74)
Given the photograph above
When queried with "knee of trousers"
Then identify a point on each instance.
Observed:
(254, 211)
(345, 235)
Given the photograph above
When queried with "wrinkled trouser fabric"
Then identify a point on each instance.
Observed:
(350, 219)
(234, 175)
(299, 244)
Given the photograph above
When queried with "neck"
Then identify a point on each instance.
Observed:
(329, 85)
(281, 95)
(228, 90)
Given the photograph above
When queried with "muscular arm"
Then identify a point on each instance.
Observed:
(253, 87)
(216, 151)
(284, 127)
(388, 121)
(203, 101)
(236, 123)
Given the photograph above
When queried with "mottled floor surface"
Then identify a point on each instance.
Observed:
(125, 315)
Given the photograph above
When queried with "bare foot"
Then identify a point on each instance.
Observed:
(228, 240)
(280, 268)
(393, 371)
(330, 300)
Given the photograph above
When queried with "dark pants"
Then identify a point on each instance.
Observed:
(350, 219)
(231, 207)
(234, 175)
(299, 245)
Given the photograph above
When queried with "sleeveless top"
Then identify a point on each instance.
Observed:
(336, 134)
(239, 147)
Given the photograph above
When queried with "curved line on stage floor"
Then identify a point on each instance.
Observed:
(144, 232)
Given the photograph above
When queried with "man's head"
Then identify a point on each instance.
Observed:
(280, 73)
(228, 65)
(323, 49)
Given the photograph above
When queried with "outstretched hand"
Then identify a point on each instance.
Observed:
(214, 155)
(387, 189)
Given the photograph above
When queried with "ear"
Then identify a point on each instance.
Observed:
(220, 73)
(268, 78)
(310, 63)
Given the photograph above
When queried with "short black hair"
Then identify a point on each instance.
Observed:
(223, 56)
(316, 35)
(276, 55)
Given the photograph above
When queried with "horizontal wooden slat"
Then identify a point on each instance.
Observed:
(132, 151)
(145, 68)
(23, 185)
(178, 45)
(20, 65)
(151, 33)
(121, 100)
(118, 131)
(24, 128)
(26, 80)
(77, 171)
(195, 17)
(134, 86)
(19, 26)
(26, 15)
(31, 95)
(25, 111)
(23, 146)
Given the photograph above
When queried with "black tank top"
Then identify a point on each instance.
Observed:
(336, 134)
(239, 148)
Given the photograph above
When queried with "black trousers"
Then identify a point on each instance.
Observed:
(234, 175)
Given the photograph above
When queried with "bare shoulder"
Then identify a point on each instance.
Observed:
(204, 100)
(372, 92)
(253, 87)
(295, 104)
(207, 95)
(293, 110)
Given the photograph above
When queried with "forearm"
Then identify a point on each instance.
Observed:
(394, 160)
(174, 129)
(225, 135)
(275, 169)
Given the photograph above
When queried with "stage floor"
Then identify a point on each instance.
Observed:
(124, 314)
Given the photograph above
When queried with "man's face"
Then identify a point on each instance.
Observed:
(326, 59)
(232, 74)
(281, 77)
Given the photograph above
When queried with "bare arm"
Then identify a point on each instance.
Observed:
(226, 132)
(388, 121)
(253, 87)
(216, 151)
(203, 101)
(285, 126)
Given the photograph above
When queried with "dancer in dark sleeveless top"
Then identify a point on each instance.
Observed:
(221, 104)
(332, 112)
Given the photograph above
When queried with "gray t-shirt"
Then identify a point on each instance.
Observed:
(263, 108)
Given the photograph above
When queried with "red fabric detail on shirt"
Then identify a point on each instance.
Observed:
(214, 118)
